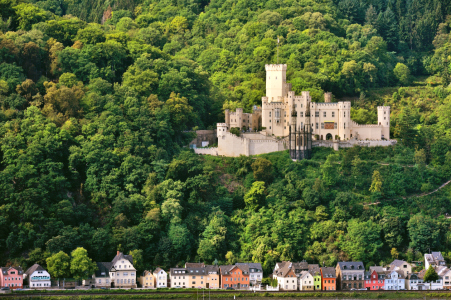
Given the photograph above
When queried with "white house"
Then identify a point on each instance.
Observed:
(38, 277)
(161, 278)
(119, 273)
(434, 259)
(445, 273)
(179, 277)
(394, 280)
(306, 281)
(414, 282)
(255, 272)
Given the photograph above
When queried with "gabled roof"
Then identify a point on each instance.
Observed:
(103, 267)
(285, 271)
(398, 263)
(303, 265)
(225, 268)
(196, 270)
(303, 274)
(351, 265)
(312, 266)
(147, 272)
(212, 269)
(378, 269)
(157, 270)
(33, 269)
(328, 272)
(257, 266)
(6, 269)
(120, 256)
(173, 270)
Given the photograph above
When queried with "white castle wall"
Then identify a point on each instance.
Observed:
(352, 143)
(232, 145)
(206, 151)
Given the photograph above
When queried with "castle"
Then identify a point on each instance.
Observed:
(287, 121)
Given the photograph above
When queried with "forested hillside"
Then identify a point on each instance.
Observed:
(98, 100)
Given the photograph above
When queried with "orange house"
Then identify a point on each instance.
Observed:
(329, 279)
(236, 277)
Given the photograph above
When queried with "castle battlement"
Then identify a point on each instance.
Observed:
(383, 107)
(275, 67)
(355, 124)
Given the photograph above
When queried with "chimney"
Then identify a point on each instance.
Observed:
(118, 252)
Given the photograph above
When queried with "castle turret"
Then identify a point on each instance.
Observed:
(227, 117)
(276, 78)
(383, 119)
(328, 97)
(221, 129)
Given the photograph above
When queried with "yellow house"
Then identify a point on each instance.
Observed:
(197, 277)
(212, 277)
(147, 281)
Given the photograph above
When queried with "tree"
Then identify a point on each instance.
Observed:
(255, 197)
(81, 266)
(59, 265)
(28, 14)
(402, 73)
(263, 170)
(213, 240)
(424, 233)
(138, 260)
(329, 170)
(394, 253)
(430, 276)
(362, 241)
(376, 182)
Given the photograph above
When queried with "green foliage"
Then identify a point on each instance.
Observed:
(430, 275)
(81, 266)
(58, 265)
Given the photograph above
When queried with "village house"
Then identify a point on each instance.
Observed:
(179, 277)
(147, 280)
(445, 273)
(11, 277)
(161, 278)
(255, 272)
(414, 283)
(213, 277)
(197, 277)
(316, 273)
(328, 279)
(350, 275)
(37, 277)
(394, 280)
(286, 277)
(306, 281)
(400, 265)
(234, 276)
(434, 259)
(118, 273)
(374, 278)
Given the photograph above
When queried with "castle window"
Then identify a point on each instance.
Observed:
(316, 114)
(322, 125)
(385, 118)
(295, 105)
(335, 125)
(301, 104)
(333, 114)
(302, 125)
(324, 114)
(344, 125)
(270, 114)
(385, 112)
(387, 123)
(344, 114)
(316, 126)
(269, 127)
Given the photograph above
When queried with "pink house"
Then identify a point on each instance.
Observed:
(11, 277)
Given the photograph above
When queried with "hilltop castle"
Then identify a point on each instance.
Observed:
(287, 121)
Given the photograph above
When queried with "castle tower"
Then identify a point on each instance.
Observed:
(227, 116)
(292, 134)
(328, 97)
(383, 119)
(276, 78)
(221, 129)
